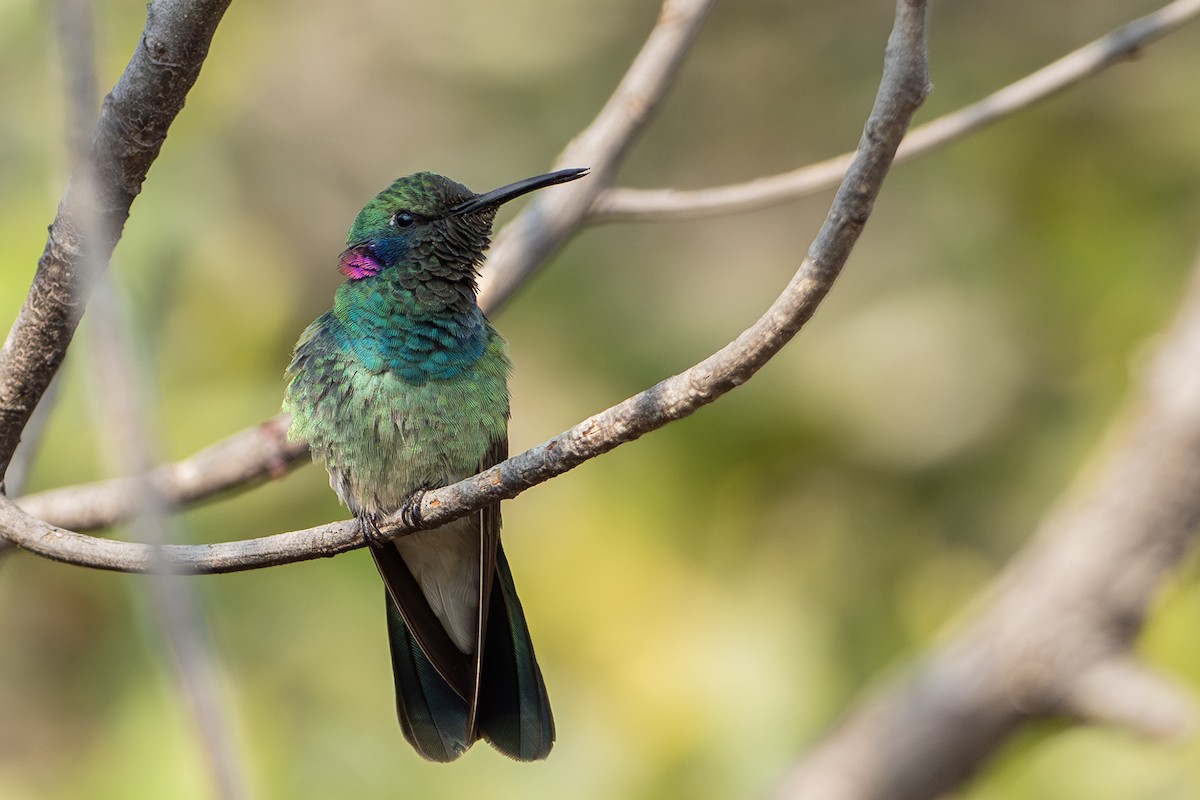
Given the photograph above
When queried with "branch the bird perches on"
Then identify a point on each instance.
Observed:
(904, 86)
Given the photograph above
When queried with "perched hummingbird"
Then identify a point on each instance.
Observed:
(402, 386)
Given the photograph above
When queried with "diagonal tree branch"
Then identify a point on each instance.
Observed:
(545, 223)
(1057, 636)
(243, 460)
(903, 88)
(651, 205)
(132, 127)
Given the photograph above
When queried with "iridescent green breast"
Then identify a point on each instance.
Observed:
(417, 329)
(384, 427)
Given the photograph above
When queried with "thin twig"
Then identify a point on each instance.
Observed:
(132, 126)
(902, 90)
(171, 604)
(105, 179)
(75, 23)
(1057, 636)
(546, 222)
(122, 404)
(651, 205)
(75, 26)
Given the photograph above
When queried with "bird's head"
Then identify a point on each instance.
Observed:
(432, 223)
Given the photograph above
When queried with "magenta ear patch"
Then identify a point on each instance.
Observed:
(356, 263)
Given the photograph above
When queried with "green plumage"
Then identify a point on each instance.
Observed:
(381, 436)
(401, 386)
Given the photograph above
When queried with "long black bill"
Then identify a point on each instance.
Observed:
(505, 193)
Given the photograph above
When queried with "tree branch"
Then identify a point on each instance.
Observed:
(244, 459)
(1124, 692)
(652, 205)
(903, 88)
(132, 126)
(546, 222)
(1057, 636)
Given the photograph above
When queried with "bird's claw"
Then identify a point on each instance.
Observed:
(410, 517)
(410, 512)
(370, 531)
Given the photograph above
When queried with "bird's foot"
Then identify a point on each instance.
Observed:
(369, 527)
(410, 512)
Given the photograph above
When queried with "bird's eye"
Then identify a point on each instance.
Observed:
(404, 219)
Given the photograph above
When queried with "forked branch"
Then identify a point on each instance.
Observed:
(652, 205)
(903, 88)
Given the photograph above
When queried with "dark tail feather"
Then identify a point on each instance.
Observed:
(514, 710)
(432, 715)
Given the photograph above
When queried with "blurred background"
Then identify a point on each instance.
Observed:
(708, 601)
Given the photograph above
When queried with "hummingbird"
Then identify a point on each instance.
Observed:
(403, 386)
